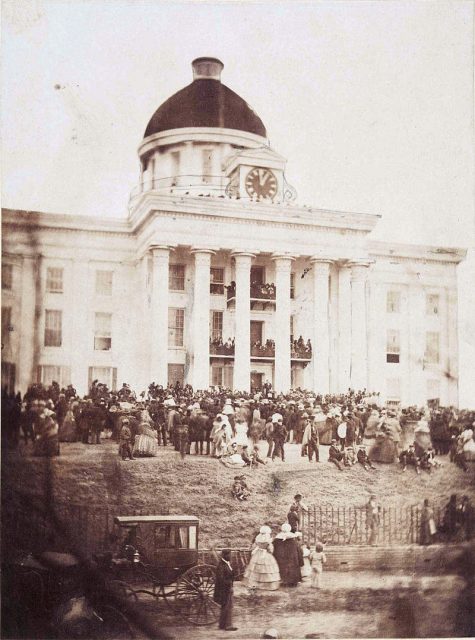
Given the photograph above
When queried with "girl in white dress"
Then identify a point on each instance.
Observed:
(317, 560)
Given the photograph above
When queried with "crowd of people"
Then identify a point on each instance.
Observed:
(230, 426)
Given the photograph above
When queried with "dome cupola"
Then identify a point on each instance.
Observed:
(206, 102)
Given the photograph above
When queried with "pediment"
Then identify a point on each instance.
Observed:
(262, 156)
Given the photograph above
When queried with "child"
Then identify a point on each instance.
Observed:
(317, 560)
(236, 490)
(306, 570)
(245, 489)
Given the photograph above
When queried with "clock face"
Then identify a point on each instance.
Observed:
(261, 183)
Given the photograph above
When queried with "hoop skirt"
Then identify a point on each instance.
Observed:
(146, 444)
(262, 572)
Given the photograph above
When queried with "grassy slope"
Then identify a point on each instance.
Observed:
(201, 486)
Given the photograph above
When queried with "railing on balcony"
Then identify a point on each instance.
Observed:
(256, 291)
(266, 350)
(220, 348)
(299, 349)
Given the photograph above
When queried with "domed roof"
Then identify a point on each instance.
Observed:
(206, 102)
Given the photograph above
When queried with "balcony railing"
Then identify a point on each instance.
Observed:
(256, 291)
(298, 350)
(266, 350)
(221, 349)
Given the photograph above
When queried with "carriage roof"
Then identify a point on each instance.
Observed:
(173, 519)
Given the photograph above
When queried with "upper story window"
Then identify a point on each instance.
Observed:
(53, 328)
(176, 277)
(175, 157)
(432, 304)
(104, 283)
(176, 327)
(393, 302)
(207, 165)
(216, 286)
(7, 276)
(54, 280)
(6, 325)
(216, 325)
(292, 285)
(393, 346)
(103, 332)
(432, 347)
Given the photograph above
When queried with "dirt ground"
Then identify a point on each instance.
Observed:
(356, 605)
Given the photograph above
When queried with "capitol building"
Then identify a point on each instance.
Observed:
(219, 277)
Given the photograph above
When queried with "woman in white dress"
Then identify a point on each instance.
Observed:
(262, 572)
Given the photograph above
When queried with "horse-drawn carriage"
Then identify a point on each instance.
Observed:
(158, 557)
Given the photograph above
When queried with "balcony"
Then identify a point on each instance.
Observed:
(300, 351)
(260, 295)
(220, 349)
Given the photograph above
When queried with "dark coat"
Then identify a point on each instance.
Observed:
(224, 583)
(289, 559)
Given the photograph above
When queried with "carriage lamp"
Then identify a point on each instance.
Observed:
(136, 556)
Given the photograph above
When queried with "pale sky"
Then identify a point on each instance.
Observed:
(370, 102)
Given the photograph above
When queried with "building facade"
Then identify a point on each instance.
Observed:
(217, 277)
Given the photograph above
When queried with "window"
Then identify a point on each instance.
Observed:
(292, 286)
(176, 373)
(207, 161)
(292, 325)
(433, 389)
(217, 281)
(393, 302)
(8, 376)
(392, 346)
(54, 280)
(175, 156)
(53, 328)
(176, 277)
(104, 375)
(432, 347)
(256, 331)
(257, 275)
(216, 325)
(7, 276)
(104, 283)
(176, 325)
(103, 332)
(6, 326)
(217, 376)
(393, 389)
(49, 373)
(432, 304)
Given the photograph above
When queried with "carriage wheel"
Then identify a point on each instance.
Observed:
(194, 595)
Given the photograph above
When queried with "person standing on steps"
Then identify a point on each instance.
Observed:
(372, 520)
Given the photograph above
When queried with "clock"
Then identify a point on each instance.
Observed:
(261, 183)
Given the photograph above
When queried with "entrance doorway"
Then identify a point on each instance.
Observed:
(257, 275)
(256, 381)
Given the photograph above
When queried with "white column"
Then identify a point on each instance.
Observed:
(417, 340)
(159, 315)
(452, 346)
(359, 340)
(344, 327)
(242, 342)
(377, 324)
(321, 335)
(201, 318)
(282, 375)
(81, 333)
(29, 340)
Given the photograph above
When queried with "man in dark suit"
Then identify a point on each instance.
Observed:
(223, 590)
